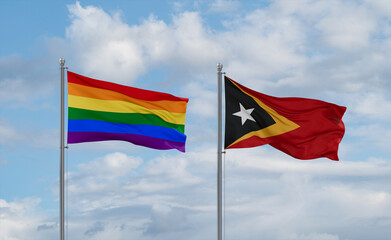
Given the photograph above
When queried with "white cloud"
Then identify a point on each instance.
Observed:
(282, 49)
(203, 101)
(104, 44)
(21, 220)
(12, 134)
(165, 219)
(371, 136)
(381, 7)
(265, 193)
(288, 48)
(303, 47)
(224, 6)
(312, 44)
(110, 166)
(8, 133)
(372, 105)
(311, 236)
(122, 53)
(371, 167)
(347, 25)
(10, 90)
(24, 81)
(262, 45)
(175, 196)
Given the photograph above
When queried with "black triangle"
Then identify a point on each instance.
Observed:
(233, 124)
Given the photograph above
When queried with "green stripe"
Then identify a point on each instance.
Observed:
(127, 118)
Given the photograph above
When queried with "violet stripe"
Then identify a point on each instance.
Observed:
(151, 142)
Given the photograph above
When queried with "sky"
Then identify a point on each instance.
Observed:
(336, 51)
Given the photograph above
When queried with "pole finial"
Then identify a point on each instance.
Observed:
(219, 67)
(62, 61)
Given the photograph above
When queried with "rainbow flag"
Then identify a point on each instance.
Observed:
(100, 111)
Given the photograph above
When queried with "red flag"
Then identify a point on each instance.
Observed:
(303, 128)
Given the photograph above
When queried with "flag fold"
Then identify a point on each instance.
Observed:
(100, 111)
(302, 128)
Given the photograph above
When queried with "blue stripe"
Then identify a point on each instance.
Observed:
(86, 125)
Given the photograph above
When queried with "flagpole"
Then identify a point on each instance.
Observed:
(219, 153)
(62, 147)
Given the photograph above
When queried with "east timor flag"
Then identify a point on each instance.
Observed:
(100, 111)
(303, 128)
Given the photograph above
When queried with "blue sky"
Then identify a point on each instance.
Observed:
(337, 51)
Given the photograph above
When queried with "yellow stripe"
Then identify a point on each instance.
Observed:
(122, 107)
(281, 126)
(104, 94)
(276, 129)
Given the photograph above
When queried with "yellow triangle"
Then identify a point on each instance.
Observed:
(281, 126)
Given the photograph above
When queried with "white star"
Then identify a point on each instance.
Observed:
(244, 114)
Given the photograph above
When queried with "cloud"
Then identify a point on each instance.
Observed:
(165, 219)
(106, 176)
(101, 177)
(303, 196)
(96, 228)
(373, 105)
(21, 219)
(310, 236)
(175, 196)
(25, 82)
(306, 48)
(122, 53)
(347, 25)
(12, 134)
(46, 226)
(370, 136)
(115, 55)
(383, 7)
(8, 133)
(110, 166)
(285, 49)
(224, 6)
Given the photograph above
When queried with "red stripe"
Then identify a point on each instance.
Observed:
(287, 105)
(126, 90)
(320, 132)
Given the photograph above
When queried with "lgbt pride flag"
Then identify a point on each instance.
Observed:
(100, 111)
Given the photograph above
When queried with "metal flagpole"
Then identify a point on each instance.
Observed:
(62, 147)
(219, 153)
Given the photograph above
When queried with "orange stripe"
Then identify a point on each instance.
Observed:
(103, 94)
